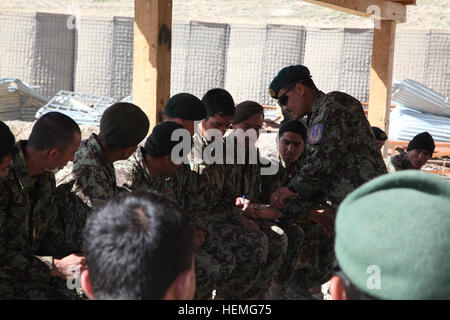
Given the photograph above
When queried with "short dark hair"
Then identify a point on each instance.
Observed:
(218, 101)
(136, 245)
(305, 81)
(53, 130)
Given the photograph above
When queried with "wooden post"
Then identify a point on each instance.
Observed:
(152, 56)
(381, 76)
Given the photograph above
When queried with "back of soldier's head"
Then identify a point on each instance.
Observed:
(392, 237)
(53, 130)
(136, 245)
(218, 102)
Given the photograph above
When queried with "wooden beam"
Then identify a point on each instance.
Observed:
(388, 10)
(381, 76)
(405, 2)
(152, 57)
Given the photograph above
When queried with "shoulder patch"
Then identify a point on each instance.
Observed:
(315, 134)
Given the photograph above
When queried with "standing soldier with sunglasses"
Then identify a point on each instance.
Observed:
(340, 154)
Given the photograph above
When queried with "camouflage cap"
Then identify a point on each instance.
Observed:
(185, 106)
(123, 125)
(7, 140)
(392, 236)
(286, 75)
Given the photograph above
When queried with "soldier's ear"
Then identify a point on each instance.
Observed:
(337, 289)
(86, 284)
(52, 154)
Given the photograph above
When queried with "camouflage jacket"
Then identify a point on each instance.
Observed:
(341, 153)
(398, 162)
(212, 185)
(91, 176)
(133, 175)
(29, 224)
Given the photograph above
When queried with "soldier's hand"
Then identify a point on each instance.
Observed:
(278, 196)
(265, 214)
(200, 236)
(325, 218)
(239, 202)
(65, 267)
(249, 223)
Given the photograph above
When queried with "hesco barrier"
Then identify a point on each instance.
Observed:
(96, 57)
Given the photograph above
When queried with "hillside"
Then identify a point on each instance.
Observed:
(427, 14)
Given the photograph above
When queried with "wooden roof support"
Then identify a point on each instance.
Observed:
(381, 76)
(152, 56)
(388, 10)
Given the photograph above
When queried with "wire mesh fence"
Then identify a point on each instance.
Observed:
(97, 56)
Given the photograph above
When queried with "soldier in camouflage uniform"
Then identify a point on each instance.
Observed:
(420, 149)
(7, 148)
(340, 154)
(90, 179)
(150, 168)
(245, 180)
(307, 237)
(226, 233)
(34, 255)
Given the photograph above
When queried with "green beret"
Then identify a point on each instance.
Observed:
(397, 226)
(7, 140)
(185, 106)
(159, 142)
(123, 125)
(285, 76)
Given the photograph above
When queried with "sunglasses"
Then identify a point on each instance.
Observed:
(283, 99)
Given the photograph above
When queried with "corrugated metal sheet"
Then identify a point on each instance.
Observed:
(406, 122)
(414, 95)
(83, 108)
(18, 101)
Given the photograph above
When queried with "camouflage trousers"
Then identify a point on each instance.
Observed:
(247, 249)
(55, 289)
(278, 244)
(316, 256)
(207, 274)
(295, 237)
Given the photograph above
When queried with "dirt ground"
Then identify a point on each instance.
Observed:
(427, 14)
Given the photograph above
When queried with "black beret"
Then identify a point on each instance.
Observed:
(159, 142)
(185, 106)
(123, 125)
(422, 141)
(7, 140)
(379, 134)
(293, 126)
(246, 109)
(286, 75)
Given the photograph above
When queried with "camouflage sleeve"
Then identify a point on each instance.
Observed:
(297, 209)
(92, 186)
(72, 213)
(329, 140)
(13, 263)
